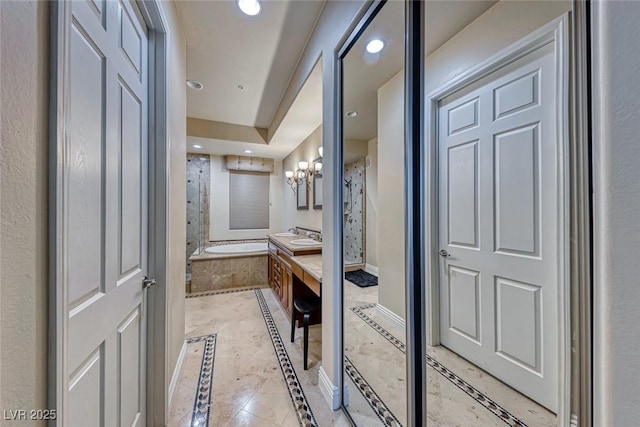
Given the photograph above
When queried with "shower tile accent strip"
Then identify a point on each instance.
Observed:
(298, 399)
(372, 398)
(451, 376)
(224, 291)
(204, 391)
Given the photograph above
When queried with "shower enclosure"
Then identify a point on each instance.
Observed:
(198, 181)
(354, 212)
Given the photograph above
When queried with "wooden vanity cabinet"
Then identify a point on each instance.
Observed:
(281, 280)
(282, 272)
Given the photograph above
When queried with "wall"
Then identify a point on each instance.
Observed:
(616, 199)
(24, 88)
(391, 254)
(219, 203)
(371, 217)
(176, 215)
(503, 24)
(291, 216)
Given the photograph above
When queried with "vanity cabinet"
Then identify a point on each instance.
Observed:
(281, 279)
(282, 270)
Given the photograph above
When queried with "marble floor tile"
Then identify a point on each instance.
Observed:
(447, 403)
(249, 387)
(244, 418)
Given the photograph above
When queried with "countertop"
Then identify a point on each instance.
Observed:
(286, 243)
(312, 264)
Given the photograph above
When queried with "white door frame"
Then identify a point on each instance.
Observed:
(156, 354)
(555, 31)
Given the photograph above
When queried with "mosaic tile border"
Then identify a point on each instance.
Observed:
(298, 398)
(224, 291)
(379, 407)
(202, 403)
(473, 392)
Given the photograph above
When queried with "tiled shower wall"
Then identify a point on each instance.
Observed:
(354, 212)
(198, 181)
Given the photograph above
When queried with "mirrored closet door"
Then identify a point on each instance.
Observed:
(373, 122)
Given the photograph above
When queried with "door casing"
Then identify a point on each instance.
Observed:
(556, 31)
(156, 352)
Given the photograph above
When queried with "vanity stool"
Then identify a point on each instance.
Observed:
(304, 306)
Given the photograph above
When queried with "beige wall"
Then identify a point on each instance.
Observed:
(219, 203)
(177, 158)
(503, 24)
(391, 231)
(371, 220)
(291, 216)
(24, 88)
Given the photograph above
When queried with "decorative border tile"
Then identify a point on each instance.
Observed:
(224, 291)
(202, 403)
(298, 399)
(379, 407)
(475, 394)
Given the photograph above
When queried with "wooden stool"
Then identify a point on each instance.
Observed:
(305, 306)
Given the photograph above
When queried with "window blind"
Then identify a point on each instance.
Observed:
(248, 200)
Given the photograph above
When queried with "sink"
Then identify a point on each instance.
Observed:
(305, 242)
(285, 234)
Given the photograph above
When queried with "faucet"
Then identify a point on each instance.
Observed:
(293, 230)
(316, 236)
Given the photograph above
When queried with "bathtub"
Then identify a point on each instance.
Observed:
(238, 248)
(236, 265)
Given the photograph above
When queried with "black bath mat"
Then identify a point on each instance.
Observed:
(361, 278)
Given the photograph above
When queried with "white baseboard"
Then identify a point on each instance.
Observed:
(399, 321)
(176, 372)
(328, 390)
(371, 269)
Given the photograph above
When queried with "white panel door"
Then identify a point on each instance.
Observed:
(104, 214)
(498, 190)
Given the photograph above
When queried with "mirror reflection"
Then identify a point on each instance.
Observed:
(317, 183)
(373, 222)
(494, 321)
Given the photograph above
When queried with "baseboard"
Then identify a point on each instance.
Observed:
(328, 390)
(399, 321)
(353, 267)
(371, 269)
(176, 372)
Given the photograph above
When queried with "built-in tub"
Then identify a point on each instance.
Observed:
(225, 266)
(238, 248)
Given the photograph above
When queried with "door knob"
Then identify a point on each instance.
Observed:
(147, 283)
(444, 253)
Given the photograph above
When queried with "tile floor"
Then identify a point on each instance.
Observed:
(458, 393)
(238, 355)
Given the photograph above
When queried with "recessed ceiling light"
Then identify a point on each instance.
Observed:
(249, 7)
(194, 84)
(248, 151)
(352, 113)
(375, 46)
(196, 146)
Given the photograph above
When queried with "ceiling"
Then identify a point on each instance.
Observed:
(365, 73)
(226, 48)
